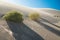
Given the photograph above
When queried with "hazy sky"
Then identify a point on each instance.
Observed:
(37, 3)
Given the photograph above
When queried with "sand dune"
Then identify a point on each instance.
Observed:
(47, 26)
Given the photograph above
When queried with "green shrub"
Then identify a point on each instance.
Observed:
(13, 16)
(34, 16)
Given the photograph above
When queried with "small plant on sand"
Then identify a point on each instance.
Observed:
(13, 16)
(34, 16)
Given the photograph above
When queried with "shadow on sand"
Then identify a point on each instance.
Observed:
(55, 31)
(50, 22)
(23, 32)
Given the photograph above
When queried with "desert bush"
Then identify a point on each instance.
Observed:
(13, 16)
(34, 16)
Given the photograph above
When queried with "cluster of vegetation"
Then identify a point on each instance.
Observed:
(34, 16)
(15, 16)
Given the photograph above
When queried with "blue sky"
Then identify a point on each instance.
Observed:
(38, 3)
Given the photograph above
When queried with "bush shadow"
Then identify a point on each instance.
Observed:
(55, 31)
(23, 32)
(50, 22)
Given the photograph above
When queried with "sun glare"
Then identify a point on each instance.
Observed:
(6, 1)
